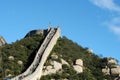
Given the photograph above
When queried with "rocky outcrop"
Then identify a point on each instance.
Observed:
(112, 61)
(115, 71)
(54, 56)
(112, 68)
(106, 70)
(35, 32)
(2, 41)
(90, 51)
(79, 62)
(78, 67)
(55, 66)
(64, 62)
(52, 68)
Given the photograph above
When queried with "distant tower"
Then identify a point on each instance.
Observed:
(2, 41)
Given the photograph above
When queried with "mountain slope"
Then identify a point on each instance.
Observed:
(16, 58)
(70, 51)
(23, 51)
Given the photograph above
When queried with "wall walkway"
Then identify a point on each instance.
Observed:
(34, 72)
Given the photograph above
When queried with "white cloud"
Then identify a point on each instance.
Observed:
(116, 29)
(106, 4)
(114, 26)
(114, 23)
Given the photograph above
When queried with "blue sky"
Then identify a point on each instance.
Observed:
(91, 23)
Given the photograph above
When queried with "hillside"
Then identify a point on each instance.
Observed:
(18, 56)
(69, 51)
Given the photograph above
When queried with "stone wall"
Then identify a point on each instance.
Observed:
(38, 72)
(44, 51)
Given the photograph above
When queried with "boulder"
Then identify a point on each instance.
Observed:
(57, 65)
(49, 71)
(106, 71)
(90, 51)
(52, 69)
(49, 67)
(53, 56)
(64, 62)
(11, 58)
(78, 68)
(79, 62)
(115, 71)
(112, 61)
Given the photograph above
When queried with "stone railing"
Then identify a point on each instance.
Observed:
(34, 72)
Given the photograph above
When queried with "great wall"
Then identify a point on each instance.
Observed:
(34, 71)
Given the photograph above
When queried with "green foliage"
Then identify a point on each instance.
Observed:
(23, 50)
(71, 51)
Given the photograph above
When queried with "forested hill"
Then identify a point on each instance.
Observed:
(18, 56)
